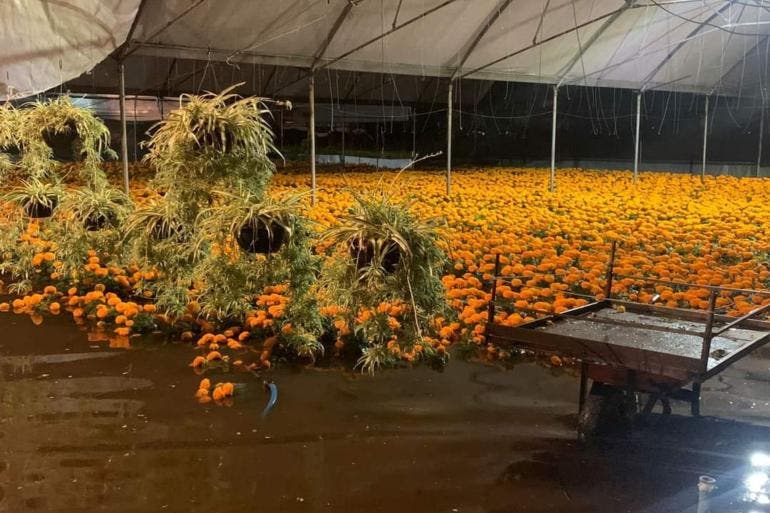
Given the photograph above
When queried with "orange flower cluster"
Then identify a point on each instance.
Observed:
(222, 393)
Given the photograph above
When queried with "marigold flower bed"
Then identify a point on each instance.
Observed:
(669, 226)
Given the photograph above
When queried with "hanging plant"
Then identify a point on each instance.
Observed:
(37, 198)
(98, 207)
(258, 225)
(384, 281)
(9, 126)
(212, 137)
(242, 262)
(161, 220)
(57, 129)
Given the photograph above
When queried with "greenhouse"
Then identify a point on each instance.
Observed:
(377, 255)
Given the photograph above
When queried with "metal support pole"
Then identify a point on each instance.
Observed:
(123, 134)
(761, 134)
(707, 334)
(311, 94)
(552, 177)
(449, 140)
(636, 135)
(705, 141)
(414, 133)
(281, 138)
(343, 142)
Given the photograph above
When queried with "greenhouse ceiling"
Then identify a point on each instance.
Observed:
(703, 46)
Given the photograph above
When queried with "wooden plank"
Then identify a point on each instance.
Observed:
(593, 351)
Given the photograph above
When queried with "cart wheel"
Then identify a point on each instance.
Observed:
(607, 408)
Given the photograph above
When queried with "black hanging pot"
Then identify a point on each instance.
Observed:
(254, 237)
(38, 210)
(99, 221)
(63, 143)
(363, 254)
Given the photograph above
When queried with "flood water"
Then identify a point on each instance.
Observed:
(87, 428)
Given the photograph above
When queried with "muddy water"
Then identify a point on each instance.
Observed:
(84, 427)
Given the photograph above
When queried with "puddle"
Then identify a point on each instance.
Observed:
(85, 427)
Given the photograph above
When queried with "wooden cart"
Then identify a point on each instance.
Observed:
(630, 348)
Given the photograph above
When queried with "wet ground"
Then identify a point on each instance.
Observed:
(87, 428)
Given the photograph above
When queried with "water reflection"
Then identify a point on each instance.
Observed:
(86, 424)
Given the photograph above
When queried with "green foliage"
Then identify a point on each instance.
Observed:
(229, 276)
(90, 218)
(34, 191)
(9, 122)
(59, 115)
(211, 157)
(377, 225)
(384, 255)
(210, 138)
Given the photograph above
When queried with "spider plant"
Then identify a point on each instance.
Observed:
(233, 274)
(160, 220)
(382, 253)
(38, 198)
(211, 137)
(97, 207)
(41, 123)
(258, 224)
(382, 236)
(9, 126)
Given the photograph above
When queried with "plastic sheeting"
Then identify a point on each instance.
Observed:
(685, 45)
(706, 46)
(44, 43)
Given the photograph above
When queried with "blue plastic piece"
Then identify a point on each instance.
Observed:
(273, 389)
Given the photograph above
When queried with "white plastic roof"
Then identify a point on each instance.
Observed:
(707, 46)
(44, 43)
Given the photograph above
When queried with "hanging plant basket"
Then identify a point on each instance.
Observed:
(363, 254)
(63, 143)
(221, 143)
(96, 222)
(38, 210)
(254, 237)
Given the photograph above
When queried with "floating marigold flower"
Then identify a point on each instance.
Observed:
(213, 355)
(198, 361)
